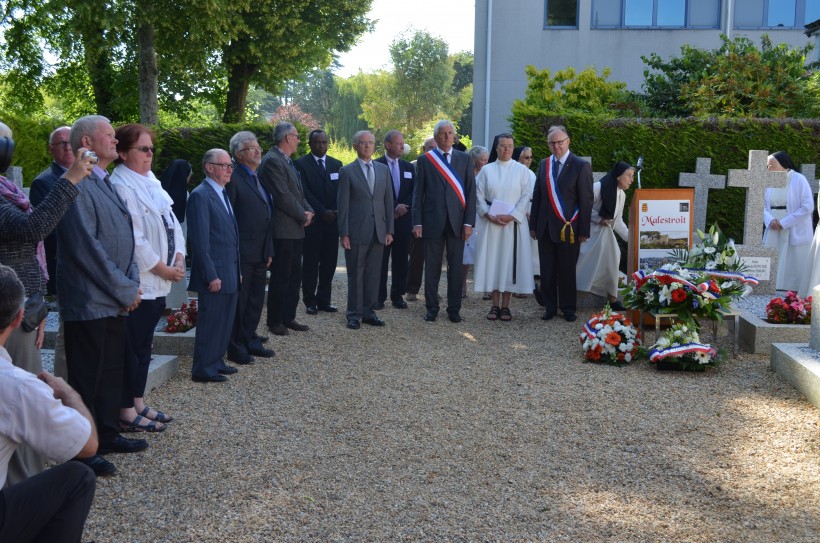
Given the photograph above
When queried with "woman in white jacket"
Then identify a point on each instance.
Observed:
(159, 251)
(787, 215)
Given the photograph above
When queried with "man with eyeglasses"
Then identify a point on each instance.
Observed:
(320, 178)
(291, 215)
(559, 220)
(215, 275)
(59, 147)
(255, 209)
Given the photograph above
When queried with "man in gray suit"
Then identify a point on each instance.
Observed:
(291, 214)
(214, 239)
(443, 215)
(98, 282)
(365, 227)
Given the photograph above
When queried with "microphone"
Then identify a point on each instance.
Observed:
(638, 168)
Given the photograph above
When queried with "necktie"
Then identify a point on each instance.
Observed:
(321, 162)
(262, 192)
(107, 180)
(555, 165)
(227, 203)
(394, 170)
(446, 158)
(371, 181)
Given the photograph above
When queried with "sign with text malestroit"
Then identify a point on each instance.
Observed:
(660, 221)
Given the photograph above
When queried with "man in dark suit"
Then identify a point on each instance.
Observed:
(59, 147)
(320, 180)
(365, 227)
(559, 220)
(443, 215)
(402, 175)
(98, 282)
(254, 213)
(214, 239)
(291, 214)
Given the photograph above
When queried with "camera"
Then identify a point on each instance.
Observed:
(92, 155)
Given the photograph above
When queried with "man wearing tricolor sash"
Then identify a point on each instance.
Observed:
(443, 215)
(559, 220)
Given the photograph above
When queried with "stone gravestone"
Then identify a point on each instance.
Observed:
(596, 176)
(808, 170)
(15, 175)
(702, 181)
(760, 261)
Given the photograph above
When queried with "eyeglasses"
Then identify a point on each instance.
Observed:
(294, 134)
(557, 142)
(63, 144)
(252, 148)
(224, 167)
(145, 149)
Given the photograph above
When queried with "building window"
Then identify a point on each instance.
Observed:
(562, 13)
(776, 13)
(656, 13)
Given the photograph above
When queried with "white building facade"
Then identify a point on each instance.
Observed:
(556, 34)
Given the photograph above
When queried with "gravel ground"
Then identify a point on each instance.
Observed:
(478, 431)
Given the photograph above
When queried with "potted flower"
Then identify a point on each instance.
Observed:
(679, 348)
(789, 310)
(610, 338)
(183, 319)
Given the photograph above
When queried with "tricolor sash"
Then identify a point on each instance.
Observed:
(558, 203)
(448, 173)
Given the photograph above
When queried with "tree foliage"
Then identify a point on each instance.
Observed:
(735, 80)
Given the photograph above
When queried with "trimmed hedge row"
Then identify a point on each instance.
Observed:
(672, 146)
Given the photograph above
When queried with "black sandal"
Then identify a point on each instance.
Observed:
(505, 314)
(494, 313)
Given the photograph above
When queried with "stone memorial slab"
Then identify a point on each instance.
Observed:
(596, 176)
(15, 174)
(756, 179)
(702, 181)
(809, 170)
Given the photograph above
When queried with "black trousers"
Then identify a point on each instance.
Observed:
(398, 252)
(320, 254)
(50, 507)
(140, 326)
(415, 265)
(558, 273)
(433, 253)
(285, 278)
(95, 353)
(248, 308)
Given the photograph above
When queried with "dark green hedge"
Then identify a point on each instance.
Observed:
(672, 146)
(31, 144)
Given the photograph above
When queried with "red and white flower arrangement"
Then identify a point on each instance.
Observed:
(680, 345)
(183, 319)
(789, 310)
(610, 338)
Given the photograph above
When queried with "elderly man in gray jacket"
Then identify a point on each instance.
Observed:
(98, 283)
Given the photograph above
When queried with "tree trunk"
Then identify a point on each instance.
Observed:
(239, 80)
(99, 70)
(149, 108)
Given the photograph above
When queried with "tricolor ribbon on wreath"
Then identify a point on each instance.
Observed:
(680, 350)
(703, 288)
(448, 173)
(745, 279)
(558, 203)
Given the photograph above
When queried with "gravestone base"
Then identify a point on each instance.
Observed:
(757, 335)
(761, 263)
(798, 364)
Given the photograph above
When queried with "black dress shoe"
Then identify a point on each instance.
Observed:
(227, 370)
(454, 317)
(241, 358)
(353, 324)
(328, 308)
(570, 317)
(262, 352)
(299, 327)
(214, 379)
(278, 330)
(373, 321)
(100, 465)
(312, 310)
(122, 445)
(548, 315)
(398, 303)
(377, 306)
(430, 316)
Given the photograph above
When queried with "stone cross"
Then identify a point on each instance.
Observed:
(15, 175)
(596, 176)
(702, 181)
(809, 170)
(756, 179)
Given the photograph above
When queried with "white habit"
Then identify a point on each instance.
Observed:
(597, 268)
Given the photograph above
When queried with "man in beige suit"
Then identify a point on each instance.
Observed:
(365, 227)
